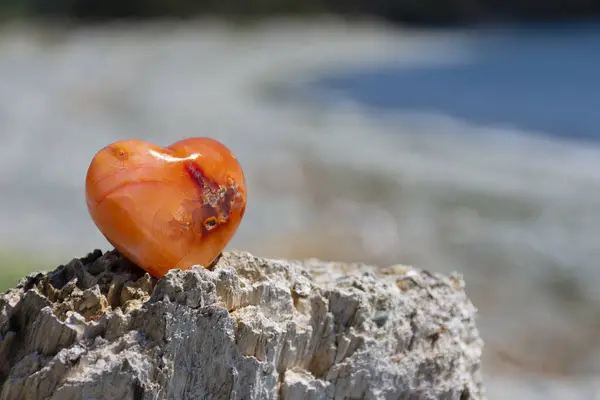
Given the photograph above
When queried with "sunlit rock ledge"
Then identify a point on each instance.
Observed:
(250, 328)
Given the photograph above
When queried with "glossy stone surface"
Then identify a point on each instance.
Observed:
(166, 208)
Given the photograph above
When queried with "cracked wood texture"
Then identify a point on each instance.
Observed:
(251, 328)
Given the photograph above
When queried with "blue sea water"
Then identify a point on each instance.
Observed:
(542, 79)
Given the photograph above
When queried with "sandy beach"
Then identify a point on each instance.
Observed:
(327, 178)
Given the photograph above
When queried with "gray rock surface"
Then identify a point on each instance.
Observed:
(250, 328)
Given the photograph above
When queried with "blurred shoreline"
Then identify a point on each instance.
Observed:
(156, 82)
(327, 177)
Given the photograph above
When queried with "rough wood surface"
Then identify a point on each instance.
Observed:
(251, 328)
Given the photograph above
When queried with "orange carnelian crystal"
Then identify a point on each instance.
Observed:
(166, 208)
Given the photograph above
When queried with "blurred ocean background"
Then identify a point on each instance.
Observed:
(473, 149)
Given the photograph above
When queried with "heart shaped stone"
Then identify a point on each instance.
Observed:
(166, 208)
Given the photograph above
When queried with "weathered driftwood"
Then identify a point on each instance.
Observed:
(251, 328)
